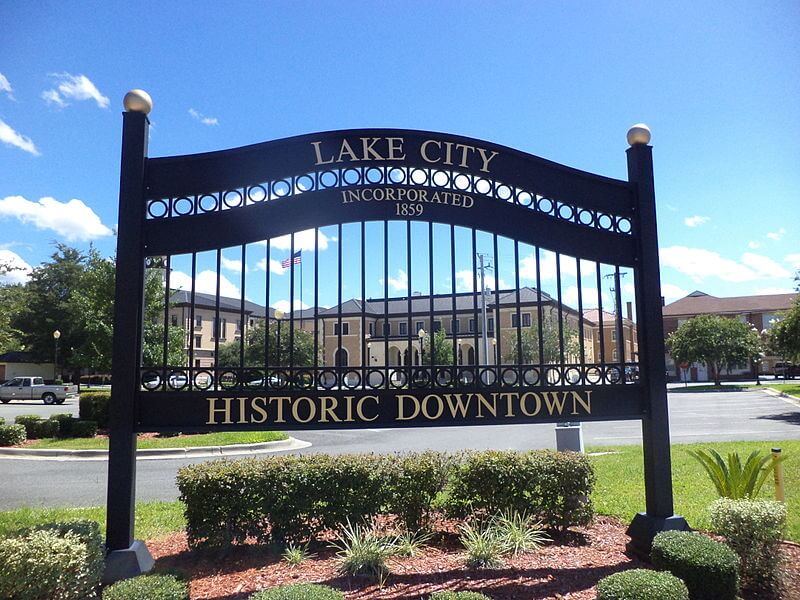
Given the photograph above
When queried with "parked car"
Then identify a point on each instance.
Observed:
(786, 370)
(34, 388)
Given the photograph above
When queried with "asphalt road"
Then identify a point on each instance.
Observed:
(694, 417)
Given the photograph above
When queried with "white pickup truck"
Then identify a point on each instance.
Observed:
(33, 388)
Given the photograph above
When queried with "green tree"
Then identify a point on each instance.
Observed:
(784, 336)
(718, 342)
(12, 299)
(442, 351)
(279, 354)
(153, 326)
(551, 342)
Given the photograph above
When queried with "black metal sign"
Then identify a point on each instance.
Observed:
(508, 352)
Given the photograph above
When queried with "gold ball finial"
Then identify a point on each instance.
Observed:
(639, 134)
(138, 101)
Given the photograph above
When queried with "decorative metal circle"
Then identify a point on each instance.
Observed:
(441, 178)
(158, 209)
(398, 379)
(182, 206)
(207, 203)
(483, 186)
(553, 375)
(151, 380)
(177, 380)
(328, 179)
(488, 376)
(509, 377)
(573, 375)
(531, 376)
(466, 376)
(203, 380)
(504, 192)
(566, 212)
(374, 175)
(232, 198)
(585, 217)
(605, 221)
(351, 176)
(304, 379)
(524, 198)
(254, 379)
(256, 193)
(420, 377)
(419, 176)
(304, 183)
(281, 188)
(444, 377)
(623, 225)
(462, 182)
(375, 382)
(278, 379)
(397, 175)
(545, 205)
(228, 379)
(594, 375)
(612, 375)
(327, 379)
(351, 379)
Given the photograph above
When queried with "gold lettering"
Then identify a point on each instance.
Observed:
(364, 193)
(319, 160)
(346, 149)
(423, 196)
(482, 401)
(509, 398)
(257, 408)
(523, 406)
(555, 403)
(350, 196)
(448, 153)
(328, 405)
(242, 411)
(464, 149)
(440, 406)
(279, 400)
(459, 405)
(213, 410)
(587, 405)
(468, 201)
(456, 199)
(349, 400)
(360, 407)
(312, 410)
(423, 150)
(482, 152)
(401, 398)
(369, 150)
(395, 145)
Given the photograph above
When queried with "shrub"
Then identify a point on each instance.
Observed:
(409, 543)
(459, 596)
(484, 548)
(84, 429)
(555, 486)
(2, 421)
(151, 587)
(11, 435)
(93, 406)
(709, 568)
(362, 550)
(413, 481)
(56, 561)
(734, 479)
(294, 555)
(641, 584)
(36, 427)
(754, 529)
(65, 422)
(303, 591)
(518, 533)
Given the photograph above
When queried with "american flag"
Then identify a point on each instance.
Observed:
(296, 258)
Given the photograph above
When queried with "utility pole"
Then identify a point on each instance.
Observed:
(484, 267)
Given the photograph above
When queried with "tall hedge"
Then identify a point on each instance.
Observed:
(93, 406)
(293, 498)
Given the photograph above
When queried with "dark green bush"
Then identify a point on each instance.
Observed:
(84, 429)
(149, 587)
(303, 591)
(93, 406)
(709, 568)
(65, 421)
(2, 421)
(641, 584)
(55, 561)
(412, 483)
(11, 435)
(36, 427)
(554, 486)
(459, 596)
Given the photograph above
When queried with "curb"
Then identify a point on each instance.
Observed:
(783, 396)
(157, 453)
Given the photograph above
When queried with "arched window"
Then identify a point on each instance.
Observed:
(340, 358)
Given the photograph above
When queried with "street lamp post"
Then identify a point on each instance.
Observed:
(279, 317)
(56, 335)
(460, 357)
(421, 335)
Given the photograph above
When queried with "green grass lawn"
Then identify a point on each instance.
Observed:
(793, 389)
(620, 481)
(725, 387)
(619, 491)
(224, 438)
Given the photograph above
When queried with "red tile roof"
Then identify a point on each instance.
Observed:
(698, 303)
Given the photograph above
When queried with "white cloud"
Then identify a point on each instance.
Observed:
(230, 264)
(777, 235)
(74, 87)
(13, 138)
(5, 86)
(569, 296)
(547, 266)
(699, 264)
(672, 292)
(695, 221)
(274, 266)
(399, 283)
(465, 282)
(773, 290)
(198, 116)
(13, 268)
(303, 240)
(284, 305)
(72, 220)
(793, 260)
(753, 245)
(205, 283)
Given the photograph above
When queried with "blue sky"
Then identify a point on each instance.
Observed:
(718, 83)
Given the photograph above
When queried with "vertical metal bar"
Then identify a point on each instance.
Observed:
(241, 318)
(618, 324)
(431, 307)
(340, 378)
(365, 357)
(497, 331)
(581, 343)
(475, 303)
(292, 381)
(128, 311)
(386, 326)
(409, 350)
(191, 320)
(165, 362)
(454, 299)
(539, 308)
(218, 333)
(560, 313)
(602, 333)
(316, 306)
(268, 272)
(516, 306)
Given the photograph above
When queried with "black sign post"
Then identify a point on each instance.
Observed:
(185, 205)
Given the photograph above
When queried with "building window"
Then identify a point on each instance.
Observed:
(419, 325)
(219, 328)
(196, 362)
(614, 355)
(490, 324)
(403, 328)
(387, 329)
(372, 329)
(174, 320)
(526, 319)
(238, 326)
(345, 329)
(198, 341)
(613, 335)
(198, 321)
(514, 320)
(472, 325)
(455, 326)
(437, 326)
(251, 322)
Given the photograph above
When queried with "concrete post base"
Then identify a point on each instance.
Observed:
(124, 564)
(644, 528)
(569, 436)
